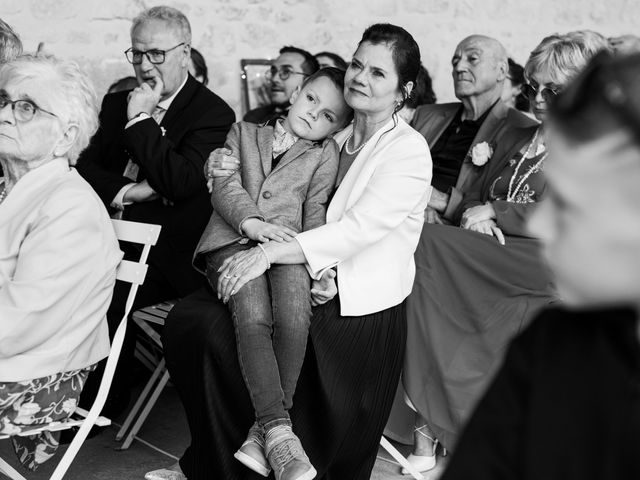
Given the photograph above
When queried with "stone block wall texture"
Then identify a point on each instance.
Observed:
(95, 33)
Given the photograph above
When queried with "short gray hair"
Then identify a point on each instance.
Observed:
(166, 14)
(10, 44)
(563, 56)
(71, 85)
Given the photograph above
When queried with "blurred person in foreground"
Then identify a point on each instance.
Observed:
(566, 403)
(58, 251)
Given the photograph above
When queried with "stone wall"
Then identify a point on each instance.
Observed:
(95, 32)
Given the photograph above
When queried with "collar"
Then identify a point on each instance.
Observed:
(479, 121)
(282, 140)
(166, 103)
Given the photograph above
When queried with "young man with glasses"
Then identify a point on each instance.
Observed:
(286, 74)
(146, 161)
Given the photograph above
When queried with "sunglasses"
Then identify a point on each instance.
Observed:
(547, 93)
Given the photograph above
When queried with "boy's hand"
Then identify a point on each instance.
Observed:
(261, 231)
(324, 289)
(221, 163)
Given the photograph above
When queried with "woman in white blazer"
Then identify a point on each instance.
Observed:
(58, 250)
(357, 339)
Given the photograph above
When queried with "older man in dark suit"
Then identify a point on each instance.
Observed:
(146, 160)
(452, 130)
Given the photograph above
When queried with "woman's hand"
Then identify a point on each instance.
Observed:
(432, 216)
(239, 269)
(220, 163)
(324, 289)
(261, 231)
(488, 227)
(477, 214)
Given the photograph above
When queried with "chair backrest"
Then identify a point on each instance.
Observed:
(145, 234)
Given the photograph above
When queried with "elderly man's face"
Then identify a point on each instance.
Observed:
(476, 69)
(289, 64)
(37, 139)
(159, 35)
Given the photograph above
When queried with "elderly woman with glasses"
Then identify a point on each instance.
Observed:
(58, 251)
(478, 285)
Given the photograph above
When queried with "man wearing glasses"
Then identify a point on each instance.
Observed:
(286, 74)
(146, 162)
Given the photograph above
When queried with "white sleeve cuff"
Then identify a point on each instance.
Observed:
(138, 118)
(118, 200)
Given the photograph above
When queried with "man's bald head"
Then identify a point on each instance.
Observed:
(479, 67)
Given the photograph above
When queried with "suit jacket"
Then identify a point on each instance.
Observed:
(374, 221)
(294, 194)
(171, 157)
(510, 217)
(432, 120)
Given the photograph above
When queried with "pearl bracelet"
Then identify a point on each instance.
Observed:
(265, 256)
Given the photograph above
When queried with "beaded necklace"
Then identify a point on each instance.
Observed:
(346, 145)
(3, 195)
(512, 195)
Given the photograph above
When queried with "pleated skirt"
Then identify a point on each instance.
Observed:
(342, 401)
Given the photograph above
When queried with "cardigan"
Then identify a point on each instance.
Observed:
(58, 259)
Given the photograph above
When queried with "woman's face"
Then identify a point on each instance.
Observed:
(590, 221)
(38, 138)
(542, 90)
(371, 80)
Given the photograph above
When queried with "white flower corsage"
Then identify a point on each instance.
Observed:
(481, 153)
(162, 129)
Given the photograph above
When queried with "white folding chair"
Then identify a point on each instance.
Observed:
(128, 271)
(140, 411)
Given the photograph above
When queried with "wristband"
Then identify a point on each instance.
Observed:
(265, 256)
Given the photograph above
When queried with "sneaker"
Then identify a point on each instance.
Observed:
(286, 455)
(251, 453)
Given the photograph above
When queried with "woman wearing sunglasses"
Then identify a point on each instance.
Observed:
(478, 285)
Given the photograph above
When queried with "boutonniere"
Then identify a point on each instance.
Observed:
(481, 153)
(162, 129)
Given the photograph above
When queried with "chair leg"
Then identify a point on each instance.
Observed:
(393, 451)
(9, 471)
(141, 400)
(145, 411)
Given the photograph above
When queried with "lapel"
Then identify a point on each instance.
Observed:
(265, 147)
(486, 133)
(440, 120)
(297, 149)
(182, 100)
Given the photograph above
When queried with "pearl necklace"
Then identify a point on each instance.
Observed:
(3, 195)
(346, 145)
(512, 195)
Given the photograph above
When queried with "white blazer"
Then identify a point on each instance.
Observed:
(374, 221)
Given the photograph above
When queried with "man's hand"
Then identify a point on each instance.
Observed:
(477, 214)
(140, 192)
(220, 163)
(261, 231)
(324, 289)
(438, 200)
(488, 227)
(144, 98)
(431, 216)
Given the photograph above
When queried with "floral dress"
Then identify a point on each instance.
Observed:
(522, 181)
(31, 403)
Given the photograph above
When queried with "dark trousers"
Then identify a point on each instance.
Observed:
(342, 401)
(271, 316)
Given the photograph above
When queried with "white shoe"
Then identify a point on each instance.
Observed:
(421, 463)
(171, 473)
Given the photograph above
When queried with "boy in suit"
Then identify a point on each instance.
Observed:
(287, 172)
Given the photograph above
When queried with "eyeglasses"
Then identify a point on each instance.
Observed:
(23, 110)
(154, 55)
(548, 93)
(284, 73)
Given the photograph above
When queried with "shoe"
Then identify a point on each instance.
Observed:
(286, 455)
(171, 473)
(423, 463)
(251, 453)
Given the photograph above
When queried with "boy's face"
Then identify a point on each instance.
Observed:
(317, 111)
